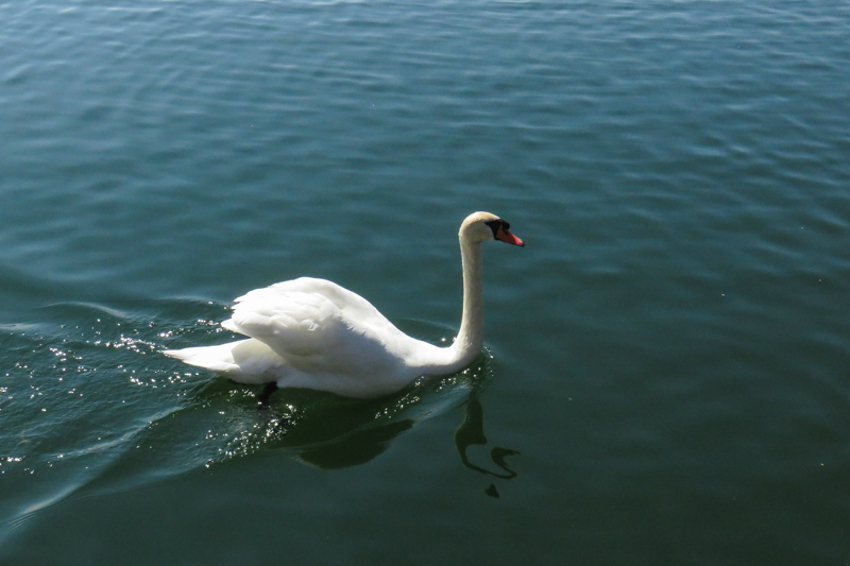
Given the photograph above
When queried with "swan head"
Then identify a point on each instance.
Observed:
(484, 226)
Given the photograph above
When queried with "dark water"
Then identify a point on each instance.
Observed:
(666, 379)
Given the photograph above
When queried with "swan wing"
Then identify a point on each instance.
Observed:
(316, 325)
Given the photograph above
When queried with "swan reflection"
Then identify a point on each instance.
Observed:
(332, 432)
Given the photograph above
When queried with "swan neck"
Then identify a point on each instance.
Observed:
(470, 338)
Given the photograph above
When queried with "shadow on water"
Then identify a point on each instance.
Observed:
(470, 432)
(330, 432)
(90, 406)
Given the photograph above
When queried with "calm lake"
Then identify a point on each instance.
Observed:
(666, 377)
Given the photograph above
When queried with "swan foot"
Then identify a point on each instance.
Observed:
(263, 398)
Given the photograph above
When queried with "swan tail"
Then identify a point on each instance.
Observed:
(245, 361)
(214, 358)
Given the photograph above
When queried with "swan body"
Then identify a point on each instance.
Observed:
(312, 333)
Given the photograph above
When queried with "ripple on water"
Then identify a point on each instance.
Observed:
(91, 405)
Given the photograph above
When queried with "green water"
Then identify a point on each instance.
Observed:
(665, 379)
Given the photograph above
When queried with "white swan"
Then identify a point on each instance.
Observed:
(314, 334)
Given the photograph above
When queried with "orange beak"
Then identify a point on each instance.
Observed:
(506, 236)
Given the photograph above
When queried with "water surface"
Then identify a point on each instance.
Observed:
(665, 378)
